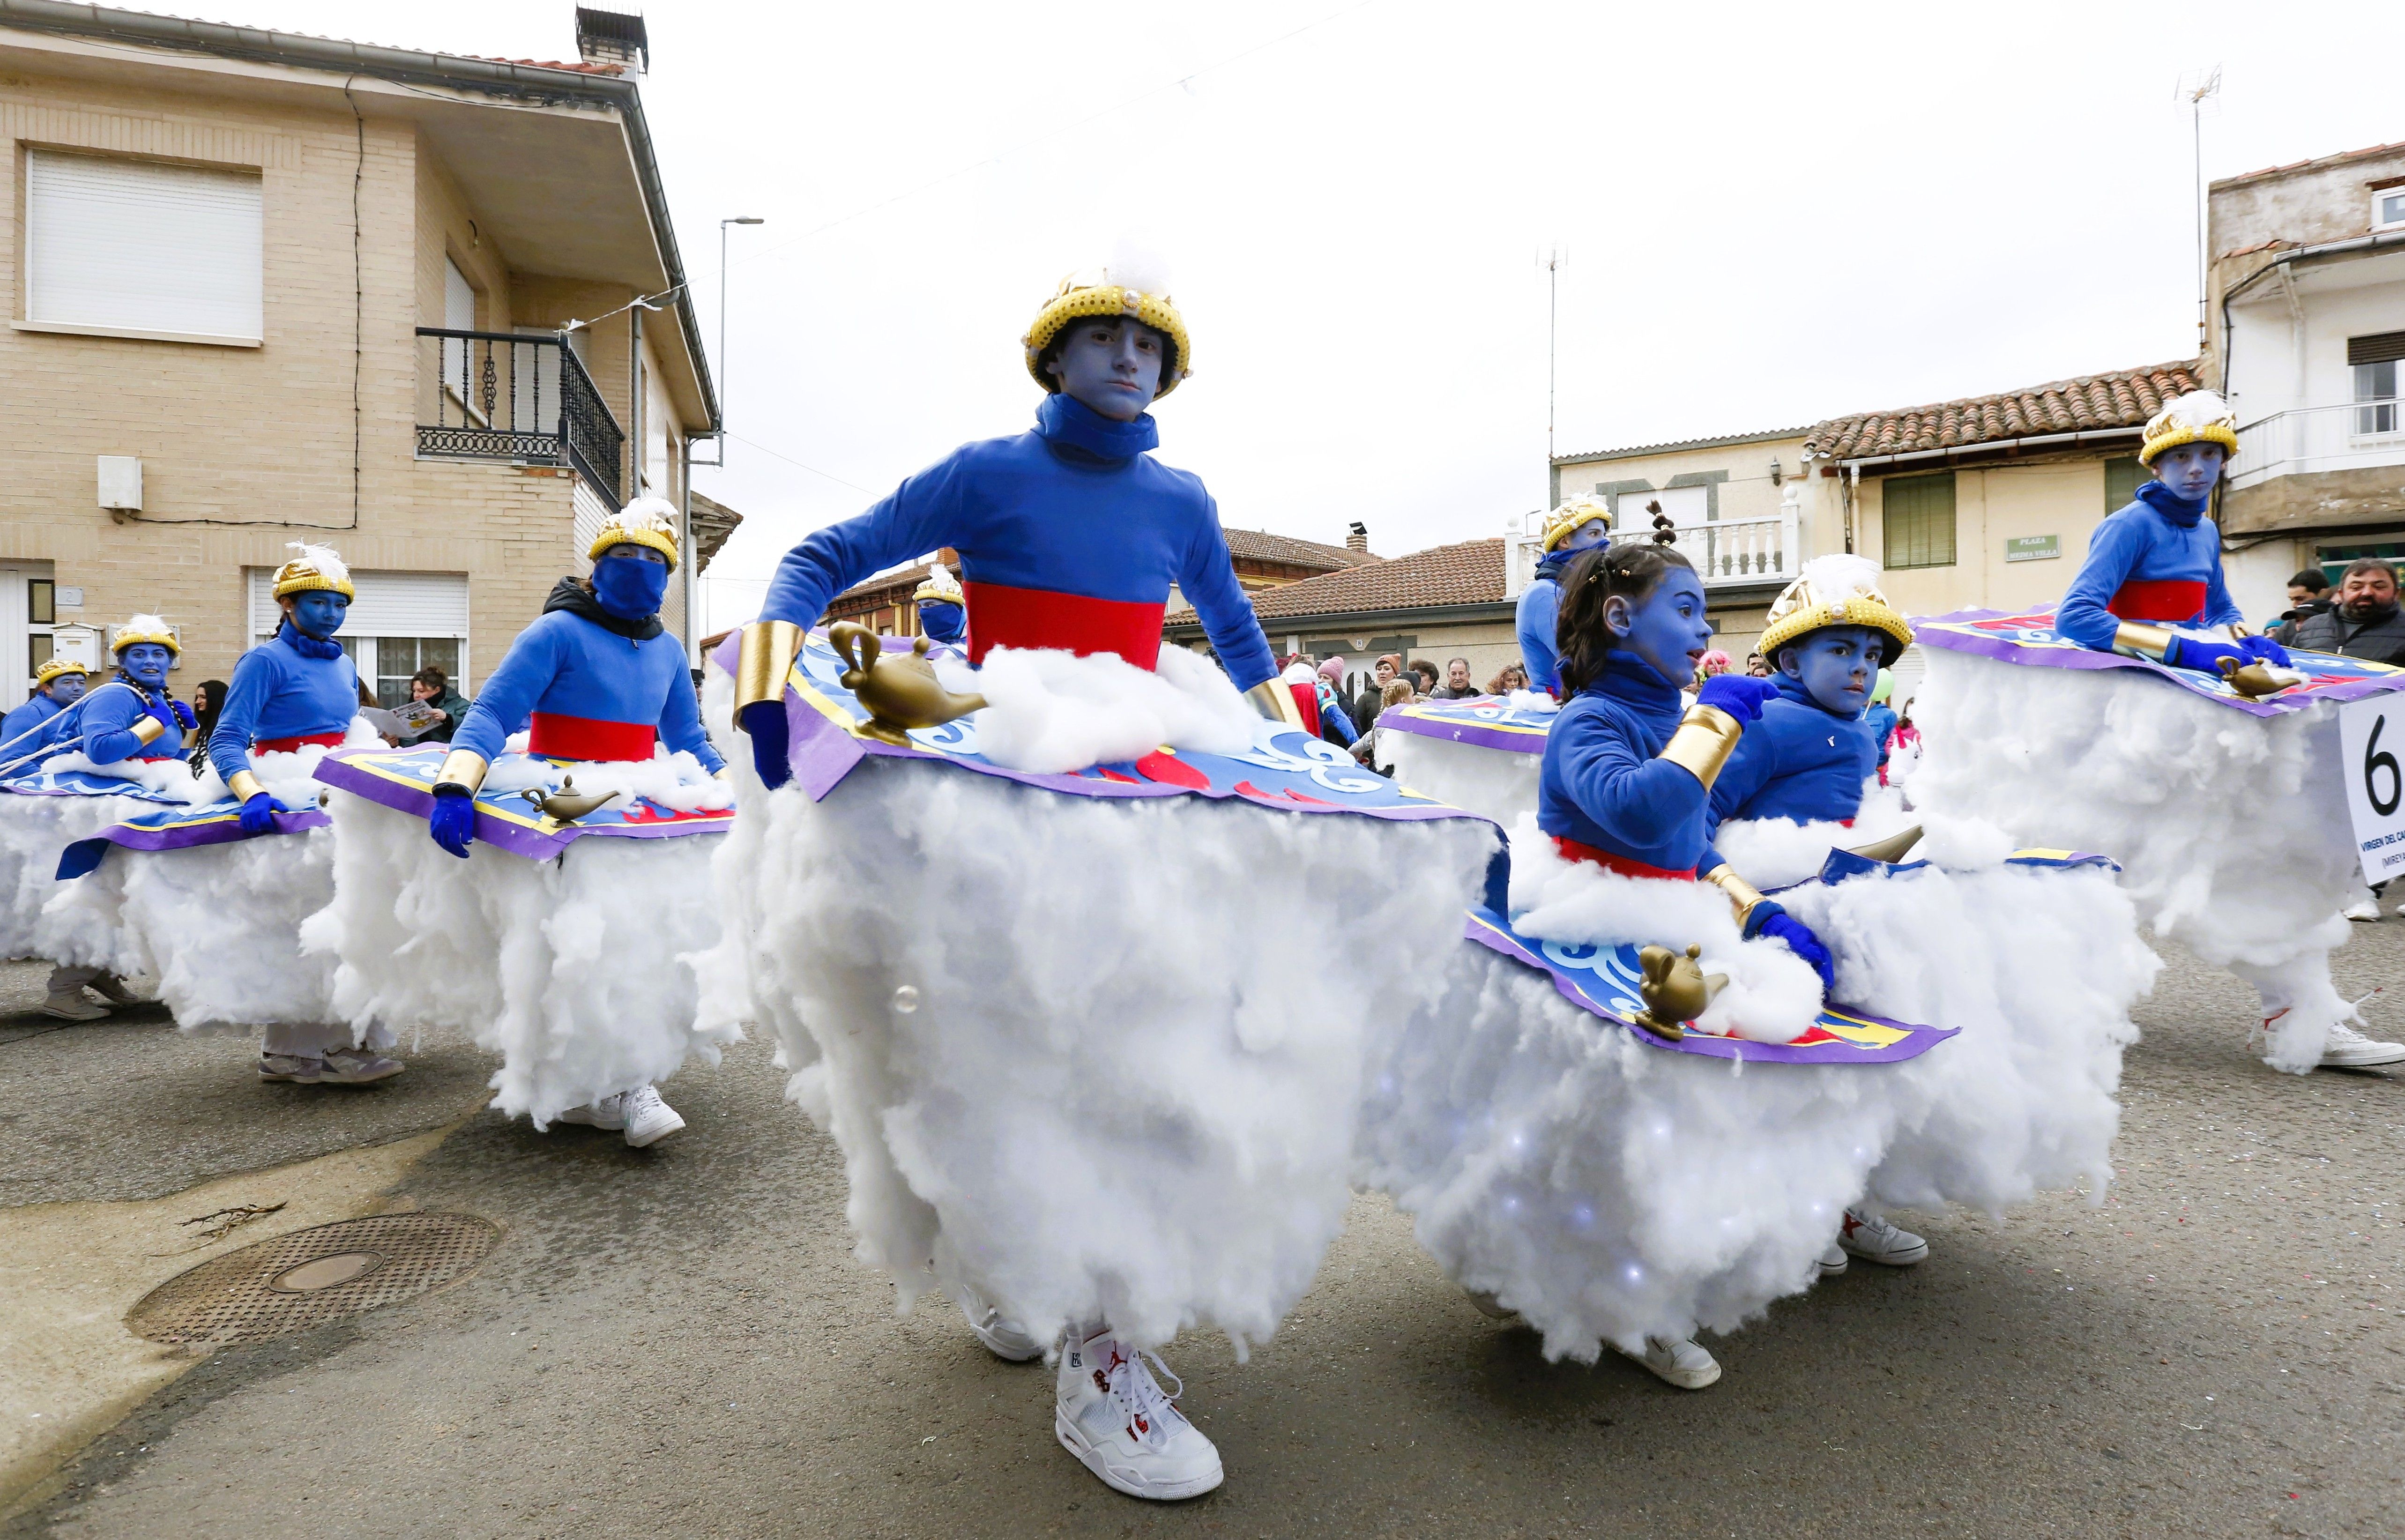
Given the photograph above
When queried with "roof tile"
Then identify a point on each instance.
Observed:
(2125, 398)
(1469, 573)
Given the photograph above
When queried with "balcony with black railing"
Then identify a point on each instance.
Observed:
(513, 396)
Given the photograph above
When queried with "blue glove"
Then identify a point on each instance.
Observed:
(764, 721)
(1769, 919)
(170, 729)
(184, 714)
(2264, 649)
(2205, 656)
(1739, 696)
(453, 822)
(259, 813)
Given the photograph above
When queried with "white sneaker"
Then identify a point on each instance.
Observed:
(1684, 1363)
(1833, 1261)
(607, 1114)
(358, 1066)
(1874, 1239)
(2347, 1049)
(1111, 1414)
(72, 1005)
(1003, 1337)
(2368, 910)
(647, 1118)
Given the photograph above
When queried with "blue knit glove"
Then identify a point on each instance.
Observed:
(1739, 696)
(453, 822)
(765, 723)
(184, 715)
(2205, 656)
(1768, 920)
(169, 728)
(259, 813)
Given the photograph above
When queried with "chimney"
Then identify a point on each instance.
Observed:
(613, 37)
(1357, 537)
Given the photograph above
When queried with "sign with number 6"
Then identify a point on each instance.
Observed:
(2371, 735)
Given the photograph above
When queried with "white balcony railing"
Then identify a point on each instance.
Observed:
(1725, 552)
(2357, 435)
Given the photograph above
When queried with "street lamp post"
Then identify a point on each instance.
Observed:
(693, 627)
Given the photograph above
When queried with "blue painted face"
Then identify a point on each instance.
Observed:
(1836, 666)
(2189, 469)
(1112, 364)
(1593, 532)
(145, 662)
(318, 612)
(66, 689)
(1667, 629)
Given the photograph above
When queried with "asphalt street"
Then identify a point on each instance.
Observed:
(677, 1342)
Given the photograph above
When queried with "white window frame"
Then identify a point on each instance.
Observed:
(31, 286)
(2385, 195)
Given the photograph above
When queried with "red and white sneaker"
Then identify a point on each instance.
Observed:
(1111, 1414)
(1874, 1239)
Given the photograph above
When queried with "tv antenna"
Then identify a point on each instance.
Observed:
(1553, 261)
(2194, 90)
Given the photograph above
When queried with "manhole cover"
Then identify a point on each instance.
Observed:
(310, 1277)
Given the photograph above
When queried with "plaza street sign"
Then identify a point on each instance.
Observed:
(2033, 548)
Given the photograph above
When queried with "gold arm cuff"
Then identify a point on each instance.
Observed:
(1706, 737)
(1743, 894)
(147, 730)
(244, 785)
(461, 767)
(1274, 701)
(767, 653)
(2141, 641)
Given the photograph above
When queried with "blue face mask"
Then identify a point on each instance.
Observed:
(943, 622)
(1835, 666)
(1669, 629)
(630, 587)
(318, 612)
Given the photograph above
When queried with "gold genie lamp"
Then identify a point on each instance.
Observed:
(567, 805)
(900, 692)
(1676, 989)
(2253, 681)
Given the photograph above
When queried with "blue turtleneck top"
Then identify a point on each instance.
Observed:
(280, 691)
(1535, 619)
(1070, 536)
(1801, 761)
(1601, 784)
(2161, 541)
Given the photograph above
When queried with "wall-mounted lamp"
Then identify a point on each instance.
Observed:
(1778, 474)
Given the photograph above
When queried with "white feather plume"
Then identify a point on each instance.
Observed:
(1841, 576)
(325, 558)
(1137, 264)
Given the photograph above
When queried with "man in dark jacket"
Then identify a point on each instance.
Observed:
(2308, 596)
(2365, 622)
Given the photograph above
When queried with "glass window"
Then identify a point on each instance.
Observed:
(2122, 477)
(41, 597)
(399, 657)
(2376, 383)
(38, 649)
(2387, 208)
(1916, 514)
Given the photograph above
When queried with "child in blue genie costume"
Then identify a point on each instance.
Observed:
(1578, 523)
(1829, 637)
(1070, 535)
(139, 721)
(57, 685)
(2157, 563)
(1629, 767)
(298, 690)
(943, 610)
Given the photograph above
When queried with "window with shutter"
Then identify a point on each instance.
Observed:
(135, 246)
(1917, 513)
(2122, 479)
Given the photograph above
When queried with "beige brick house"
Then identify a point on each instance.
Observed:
(265, 287)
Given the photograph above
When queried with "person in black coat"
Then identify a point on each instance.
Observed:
(2366, 622)
(2308, 596)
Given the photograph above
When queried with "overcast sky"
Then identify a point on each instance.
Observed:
(1771, 215)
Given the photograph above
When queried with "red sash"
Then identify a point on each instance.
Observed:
(290, 746)
(1306, 699)
(1001, 616)
(2176, 599)
(1621, 865)
(588, 739)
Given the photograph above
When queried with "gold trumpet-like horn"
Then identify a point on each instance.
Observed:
(1676, 989)
(900, 693)
(1891, 849)
(567, 805)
